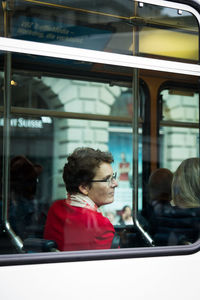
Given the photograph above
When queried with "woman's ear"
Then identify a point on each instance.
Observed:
(84, 189)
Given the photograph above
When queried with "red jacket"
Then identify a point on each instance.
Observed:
(77, 228)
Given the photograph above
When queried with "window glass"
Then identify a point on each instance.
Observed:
(53, 115)
(173, 209)
(125, 27)
(73, 95)
(179, 143)
(170, 32)
(180, 133)
(40, 142)
(180, 105)
(37, 138)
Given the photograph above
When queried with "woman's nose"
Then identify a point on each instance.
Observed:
(114, 183)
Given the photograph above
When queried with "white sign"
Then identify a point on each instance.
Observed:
(23, 123)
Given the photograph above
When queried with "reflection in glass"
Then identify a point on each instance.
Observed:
(124, 27)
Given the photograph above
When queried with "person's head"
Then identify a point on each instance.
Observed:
(126, 211)
(159, 185)
(186, 184)
(89, 171)
(23, 176)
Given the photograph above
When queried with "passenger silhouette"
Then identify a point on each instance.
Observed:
(23, 184)
(159, 187)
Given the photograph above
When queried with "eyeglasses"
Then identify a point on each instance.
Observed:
(109, 180)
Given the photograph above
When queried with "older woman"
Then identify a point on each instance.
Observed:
(75, 223)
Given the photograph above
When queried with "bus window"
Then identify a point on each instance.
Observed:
(160, 31)
(169, 39)
(50, 117)
(177, 139)
(95, 84)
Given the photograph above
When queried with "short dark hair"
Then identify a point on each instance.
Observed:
(81, 167)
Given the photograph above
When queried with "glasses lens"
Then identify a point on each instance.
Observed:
(111, 179)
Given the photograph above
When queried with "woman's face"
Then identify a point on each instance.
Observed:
(102, 193)
(127, 212)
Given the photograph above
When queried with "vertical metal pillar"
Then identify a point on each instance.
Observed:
(136, 105)
(6, 141)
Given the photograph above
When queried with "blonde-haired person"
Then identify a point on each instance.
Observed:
(180, 224)
(184, 219)
(186, 184)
